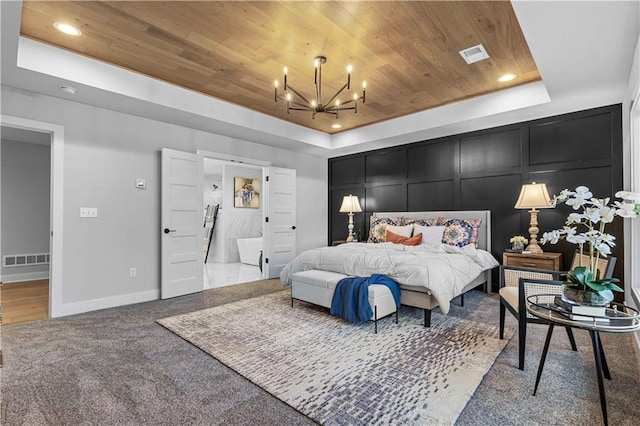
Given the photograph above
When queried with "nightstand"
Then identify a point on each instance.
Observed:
(548, 261)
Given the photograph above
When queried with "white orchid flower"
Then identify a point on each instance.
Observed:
(607, 214)
(626, 210)
(603, 249)
(599, 202)
(551, 237)
(576, 238)
(574, 218)
(629, 196)
(592, 214)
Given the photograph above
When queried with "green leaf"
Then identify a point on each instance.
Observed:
(607, 294)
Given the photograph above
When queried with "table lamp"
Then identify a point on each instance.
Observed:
(534, 196)
(350, 205)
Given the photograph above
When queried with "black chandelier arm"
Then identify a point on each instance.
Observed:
(300, 105)
(336, 95)
(300, 109)
(289, 87)
(333, 110)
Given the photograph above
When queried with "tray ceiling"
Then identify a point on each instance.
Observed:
(233, 51)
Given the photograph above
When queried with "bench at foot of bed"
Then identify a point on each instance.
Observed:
(317, 287)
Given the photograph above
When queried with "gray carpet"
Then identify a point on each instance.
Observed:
(117, 366)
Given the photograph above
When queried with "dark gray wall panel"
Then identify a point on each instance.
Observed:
(498, 194)
(346, 171)
(580, 138)
(434, 160)
(491, 151)
(384, 166)
(386, 198)
(430, 196)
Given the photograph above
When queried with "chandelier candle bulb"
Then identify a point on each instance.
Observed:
(285, 78)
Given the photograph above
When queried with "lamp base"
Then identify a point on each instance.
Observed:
(534, 249)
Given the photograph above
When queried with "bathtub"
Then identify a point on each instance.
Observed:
(249, 250)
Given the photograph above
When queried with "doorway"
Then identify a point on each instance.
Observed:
(25, 219)
(233, 254)
(56, 138)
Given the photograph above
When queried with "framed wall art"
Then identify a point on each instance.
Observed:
(246, 192)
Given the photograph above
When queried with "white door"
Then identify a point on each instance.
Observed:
(279, 236)
(182, 216)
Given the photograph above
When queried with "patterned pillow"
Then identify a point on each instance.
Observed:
(422, 222)
(461, 232)
(378, 227)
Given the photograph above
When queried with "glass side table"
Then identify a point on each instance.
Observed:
(618, 318)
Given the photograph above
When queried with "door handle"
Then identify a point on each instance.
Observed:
(293, 227)
(167, 230)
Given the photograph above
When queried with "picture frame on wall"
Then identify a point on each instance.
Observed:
(246, 193)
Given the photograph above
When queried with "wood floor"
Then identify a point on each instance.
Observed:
(24, 301)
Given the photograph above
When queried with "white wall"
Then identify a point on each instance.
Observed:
(631, 164)
(104, 152)
(25, 209)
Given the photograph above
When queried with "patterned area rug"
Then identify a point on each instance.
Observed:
(339, 373)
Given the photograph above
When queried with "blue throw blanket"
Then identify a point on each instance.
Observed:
(351, 297)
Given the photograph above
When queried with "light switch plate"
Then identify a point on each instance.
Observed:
(141, 184)
(88, 212)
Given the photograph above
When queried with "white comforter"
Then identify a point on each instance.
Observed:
(444, 270)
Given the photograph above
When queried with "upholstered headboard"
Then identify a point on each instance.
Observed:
(484, 231)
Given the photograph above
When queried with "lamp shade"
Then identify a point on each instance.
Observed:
(534, 196)
(350, 204)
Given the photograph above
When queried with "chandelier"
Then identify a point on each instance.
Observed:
(316, 105)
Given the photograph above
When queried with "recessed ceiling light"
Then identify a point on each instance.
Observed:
(336, 126)
(67, 29)
(506, 77)
(68, 89)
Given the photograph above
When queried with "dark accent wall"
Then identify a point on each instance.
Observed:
(484, 170)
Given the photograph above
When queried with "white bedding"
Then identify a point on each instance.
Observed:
(443, 269)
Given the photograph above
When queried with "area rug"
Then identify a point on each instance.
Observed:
(338, 373)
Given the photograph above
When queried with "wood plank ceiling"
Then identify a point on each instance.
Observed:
(406, 51)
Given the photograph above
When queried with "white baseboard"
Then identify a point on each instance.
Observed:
(29, 276)
(104, 303)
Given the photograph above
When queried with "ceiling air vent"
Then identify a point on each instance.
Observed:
(474, 54)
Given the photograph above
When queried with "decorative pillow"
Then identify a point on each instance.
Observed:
(460, 232)
(399, 239)
(378, 226)
(422, 222)
(431, 235)
(405, 231)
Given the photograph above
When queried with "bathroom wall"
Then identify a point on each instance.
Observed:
(238, 222)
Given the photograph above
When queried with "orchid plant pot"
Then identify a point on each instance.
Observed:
(578, 296)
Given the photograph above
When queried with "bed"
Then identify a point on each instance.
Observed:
(429, 275)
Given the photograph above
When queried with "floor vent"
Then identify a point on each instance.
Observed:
(25, 260)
